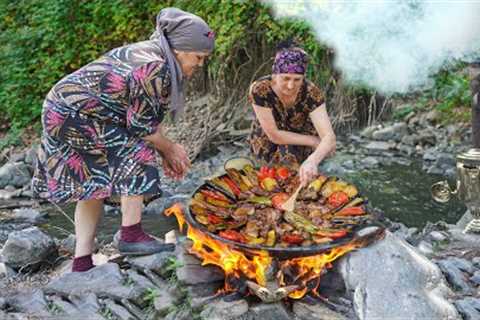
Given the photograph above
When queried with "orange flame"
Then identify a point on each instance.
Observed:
(176, 210)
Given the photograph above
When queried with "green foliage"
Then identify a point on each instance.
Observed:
(43, 40)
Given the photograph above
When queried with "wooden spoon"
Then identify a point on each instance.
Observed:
(289, 205)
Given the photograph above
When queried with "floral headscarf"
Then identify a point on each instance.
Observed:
(292, 60)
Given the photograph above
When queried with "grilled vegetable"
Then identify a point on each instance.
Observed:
(214, 195)
(251, 174)
(300, 222)
(278, 199)
(210, 185)
(233, 236)
(238, 178)
(260, 200)
(232, 185)
(292, 238)
(338, 198)
(316, 184)
(331, 234)
(351, 211)
(270, 238)
(282, 173)
(268, 184)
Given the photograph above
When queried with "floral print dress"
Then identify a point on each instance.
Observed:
(93, 121)
(294, 118)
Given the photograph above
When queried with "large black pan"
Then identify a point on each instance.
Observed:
(277, 252)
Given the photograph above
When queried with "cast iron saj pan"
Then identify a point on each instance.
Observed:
(277, 252)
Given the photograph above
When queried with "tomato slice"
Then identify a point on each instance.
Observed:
(337, 199)
(278, 199)
(332, 235)
(213, 219)
(214, 195)
(233, 186)
(283, 173)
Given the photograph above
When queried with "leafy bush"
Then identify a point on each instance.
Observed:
(43, 40)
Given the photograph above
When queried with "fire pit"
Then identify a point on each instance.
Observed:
(235, 222)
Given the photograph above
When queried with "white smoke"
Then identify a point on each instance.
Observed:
(391, 45)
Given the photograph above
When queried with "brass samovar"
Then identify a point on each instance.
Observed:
(468, 168)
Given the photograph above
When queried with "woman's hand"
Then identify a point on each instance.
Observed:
(175, 161)
(308, 171)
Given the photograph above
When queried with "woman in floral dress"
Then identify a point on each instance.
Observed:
(102, 129)
(292, 125)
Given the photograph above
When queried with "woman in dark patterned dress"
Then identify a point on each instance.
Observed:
(102, 128)
(292, 125)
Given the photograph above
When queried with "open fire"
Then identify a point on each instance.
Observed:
(247, 271)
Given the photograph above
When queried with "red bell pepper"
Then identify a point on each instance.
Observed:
(292, 238)
(233, 236)
(213, 219)
(233, 186)
(214, 195)
(351, 211)
(332, 235)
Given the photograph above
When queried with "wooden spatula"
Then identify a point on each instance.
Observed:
(289, 205)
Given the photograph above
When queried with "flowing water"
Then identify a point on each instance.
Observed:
(401, 192)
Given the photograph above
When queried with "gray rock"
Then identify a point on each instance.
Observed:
(111, 210)
(370, 162)
(425, 248)
(469, 308)
(164, 302)
(463, 264)
(349, 164)
(368, 131)
(331, 167)
(15, 173)
(27, 248)
(196, 274)
(156, 262)
(305, 311)
(433, 116)
(31, 156)
(430, 154)
(454, 275)
(405, 149)
(427, 137)
(445, 160)
(438, 236)
(476, 262)
(410, 140)
(118, 311)
(221, 310)
(86, 302)
(29, 215)
(389, 277)
(269, 311)
(3, 303)
(476, 278)
(379, 146)
(6, 271)
(105, 280)
(17, 157)
(464, 220)
(405, 233)
(32, 303)
(394, 132)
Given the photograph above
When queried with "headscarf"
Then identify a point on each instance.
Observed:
(291, 60)
(180, 30)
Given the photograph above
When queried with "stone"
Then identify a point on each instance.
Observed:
(118, 311)
(469, 307)
(222, 310)
(410, 140)
(164, 302)
(476, 278)
(463, 264)
(31, 303)
(29, 215)
(28, 248)
(155, 262)
(269, 311)
(476, 262)
(105, 281)
(433, 116)
(368, 131)
(454, 275)
(389, 277)
(394, 132)
(31, 155)
(405, 149)
(318, 311)
(86, 302)
(370, 162)
(378, 146)
(430, 154)
(15, 173)
(438, 236)
(196, 274)
(425, 248)
(6, 271)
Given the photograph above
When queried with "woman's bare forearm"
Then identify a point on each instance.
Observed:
(327, 145)
(159, 140)
(291, 138)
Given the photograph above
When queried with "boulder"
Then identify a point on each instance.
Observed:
(28, 248)
(390, 277)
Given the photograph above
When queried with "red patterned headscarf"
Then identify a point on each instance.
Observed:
(291, 60)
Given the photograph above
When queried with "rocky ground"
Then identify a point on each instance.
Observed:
(432, 273)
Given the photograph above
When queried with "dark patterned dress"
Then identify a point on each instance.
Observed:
(295, 118)
(93, 121)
